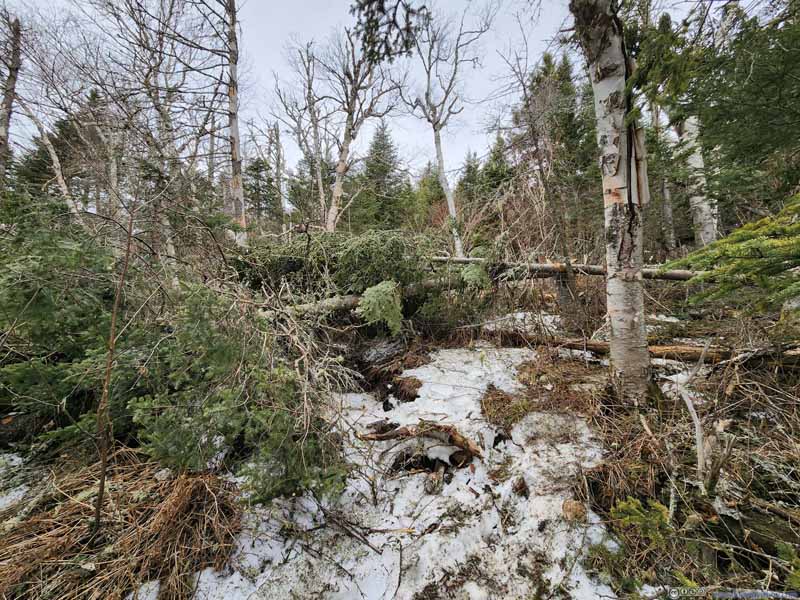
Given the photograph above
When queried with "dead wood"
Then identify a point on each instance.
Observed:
(553, 269)
(444, 433)
(673, 352)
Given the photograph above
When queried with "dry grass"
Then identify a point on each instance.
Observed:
(153, 528)
(552, 384)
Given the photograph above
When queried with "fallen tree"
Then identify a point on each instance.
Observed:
(554, 269)
(673, 352)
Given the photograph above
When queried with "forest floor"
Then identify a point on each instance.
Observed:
(476, 472)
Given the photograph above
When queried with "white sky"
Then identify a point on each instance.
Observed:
(268, 26)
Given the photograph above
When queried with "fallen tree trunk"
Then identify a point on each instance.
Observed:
(674, 352)
(553, 269)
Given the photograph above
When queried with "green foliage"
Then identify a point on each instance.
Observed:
(475, 276)
(211, 388)
(612, 564)
(382, 303)
(55, 297)
(384, 196)
(789, 554)
(650, 522)
(755, 265)
(336, 263)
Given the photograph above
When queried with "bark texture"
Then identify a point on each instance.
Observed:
(13, 64)
(704, 209)
(624, 191)
(237, 189)
(448, 193)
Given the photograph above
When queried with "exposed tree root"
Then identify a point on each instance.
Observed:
(444, 433)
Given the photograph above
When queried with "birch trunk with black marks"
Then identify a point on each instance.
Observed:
(448, 193)
(625, 194)
(332, 218)
(13, 64)
(704, 208)
(237, 189)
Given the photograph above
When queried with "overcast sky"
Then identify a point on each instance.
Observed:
(268, 26)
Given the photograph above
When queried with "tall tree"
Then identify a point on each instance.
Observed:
(444, 49)
(12, 61)
(237, 188)
(623, 166)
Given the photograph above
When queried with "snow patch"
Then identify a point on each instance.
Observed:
(11, 491)
(385, 537)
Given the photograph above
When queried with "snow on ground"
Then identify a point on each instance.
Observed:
(11, 491)
(481, 537)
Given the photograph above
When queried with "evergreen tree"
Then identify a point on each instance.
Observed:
(383, 199)
(261, 194)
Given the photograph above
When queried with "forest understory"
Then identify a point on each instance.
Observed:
(269, 341)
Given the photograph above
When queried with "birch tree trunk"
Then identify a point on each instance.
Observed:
(448, 193)
(704, 209)
(237, 189)
(624, 192)
(55, 162)
(668, 221)
(9, 92)
(332, 217)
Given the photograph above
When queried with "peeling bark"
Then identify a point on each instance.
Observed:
(622, 164)
(237, 189)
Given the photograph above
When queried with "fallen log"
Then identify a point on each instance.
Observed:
(447, 434)
(673, 352)
(553, 269)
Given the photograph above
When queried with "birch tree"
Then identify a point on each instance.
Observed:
(12, 61)
(623, 167)
(360, 89)
(703, 207)
(444, 49)
(303, 111)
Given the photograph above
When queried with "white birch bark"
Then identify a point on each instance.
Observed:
(55, 162)
(668, 220)
(448, 193)
(704, 208)
(9, 93)
(332, 218)
(624, 192)
(237, 188)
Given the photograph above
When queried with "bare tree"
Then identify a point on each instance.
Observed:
(341, 90)
(305, 115)
(359, 89)
(12, 61)
(703, 207)
(625, 190)
(444, 48)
